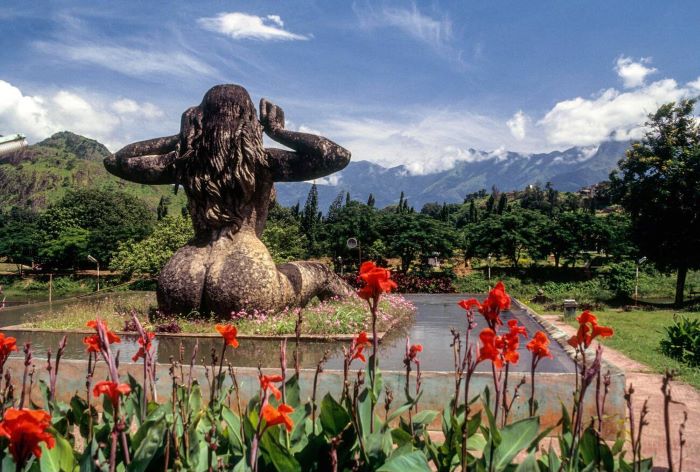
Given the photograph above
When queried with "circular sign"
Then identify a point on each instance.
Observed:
(352, 243)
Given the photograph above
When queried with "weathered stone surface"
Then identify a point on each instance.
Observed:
(228, 176)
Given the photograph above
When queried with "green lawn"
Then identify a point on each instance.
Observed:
(637, 335)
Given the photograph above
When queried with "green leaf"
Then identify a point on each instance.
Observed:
(195, 400)
(279, 456)
(333, 416)
(150, 436)
(514, 438)
(60, 458)
(413, 461)
(292, 392)
(528, 465)
(425, 417)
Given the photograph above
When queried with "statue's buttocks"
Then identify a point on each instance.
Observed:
(227, 174)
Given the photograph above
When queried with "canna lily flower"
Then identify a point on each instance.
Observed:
(267, 383)
(413, 352)
(143, 349)
(230, 333)
(489, 348)
(377, 281)
(588, 330)
(112, 390)
(7, 345)
(93, 341)
(280, 415)
(26, 429)
(358, 345)
(496, 301)
(539, 346)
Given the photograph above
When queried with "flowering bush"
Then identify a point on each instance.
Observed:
(277, 430)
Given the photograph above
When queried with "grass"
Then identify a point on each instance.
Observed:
(638, 334)
(320, 318)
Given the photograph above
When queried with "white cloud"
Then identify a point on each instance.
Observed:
(633, 73)
(436, 32)
(244, 26)
(111, 122)
(610, 115)
(419, 26)
(425, 141)
(517, 125)
(127, 106)
(131, 61)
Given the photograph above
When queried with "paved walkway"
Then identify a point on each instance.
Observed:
(647, 385)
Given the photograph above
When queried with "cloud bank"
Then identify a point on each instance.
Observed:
(111, 122)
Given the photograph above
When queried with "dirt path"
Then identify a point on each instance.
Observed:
(647, 385)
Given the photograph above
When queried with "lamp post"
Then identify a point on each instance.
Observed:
(353, 243)
(92, 259)
(488, 259)
(636, 280)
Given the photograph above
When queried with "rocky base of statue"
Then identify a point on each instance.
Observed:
(237, 272)
(219, 160)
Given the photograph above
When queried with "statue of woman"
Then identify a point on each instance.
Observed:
(219, 159)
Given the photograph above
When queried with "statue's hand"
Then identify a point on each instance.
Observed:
(271, 116)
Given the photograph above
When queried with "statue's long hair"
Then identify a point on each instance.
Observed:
(220, 148)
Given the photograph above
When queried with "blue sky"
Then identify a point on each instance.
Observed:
(419, 84)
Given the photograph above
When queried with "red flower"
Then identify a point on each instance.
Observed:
(112, 390)
(93, 341)
(414, 350)
(489, 347)
(230, 333)
(501, 349)
(377, 281)
(358, 345)
(280, 415)
(26, 429)
(496, 301)
(7, 345)
(143, 349)
(266, 383)
(539, 346)
(588, 329)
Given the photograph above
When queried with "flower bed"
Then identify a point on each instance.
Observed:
(331, 317)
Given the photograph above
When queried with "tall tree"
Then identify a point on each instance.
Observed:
(658, 183)
(502, 203)
(370, 201)
(310, 218)
(335, 207)
(473, 216)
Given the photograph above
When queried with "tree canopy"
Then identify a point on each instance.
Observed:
(658, 183)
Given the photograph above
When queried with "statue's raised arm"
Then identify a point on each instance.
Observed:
(313, 156)
(146, 162)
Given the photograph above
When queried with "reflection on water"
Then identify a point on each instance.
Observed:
(436, 314)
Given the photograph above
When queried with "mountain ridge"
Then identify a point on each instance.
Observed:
(41, 173)
(567, 170)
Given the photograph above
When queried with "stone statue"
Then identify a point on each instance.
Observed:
(219, 159)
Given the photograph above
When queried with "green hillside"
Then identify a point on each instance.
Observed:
(42, 173)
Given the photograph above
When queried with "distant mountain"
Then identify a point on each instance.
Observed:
(42, 173)
(568, 170)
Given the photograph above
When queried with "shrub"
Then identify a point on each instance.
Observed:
(682, 341)
(619, 278)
